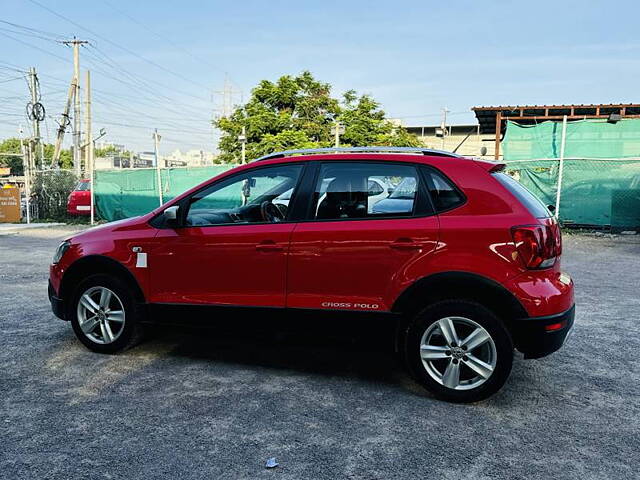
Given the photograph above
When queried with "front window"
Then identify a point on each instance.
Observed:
(258, 196)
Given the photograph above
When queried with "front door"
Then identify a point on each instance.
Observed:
(350, 253)
(231, 248)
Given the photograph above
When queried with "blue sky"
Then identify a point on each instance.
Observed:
(414, 57)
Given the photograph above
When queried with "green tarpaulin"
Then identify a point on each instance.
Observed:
(601, 173)
(126, 193)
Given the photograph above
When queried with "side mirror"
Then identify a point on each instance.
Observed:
(551, 208)
(171, 215)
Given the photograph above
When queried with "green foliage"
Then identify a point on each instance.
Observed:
(13, 145)
(109, 151)
(298, 112)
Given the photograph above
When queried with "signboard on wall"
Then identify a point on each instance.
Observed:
(9, 205)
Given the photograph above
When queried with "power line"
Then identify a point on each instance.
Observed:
(35, 31)
(164, 38)
(34, 46)
(131, 52)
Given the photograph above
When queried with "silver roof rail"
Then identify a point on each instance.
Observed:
(329, 150)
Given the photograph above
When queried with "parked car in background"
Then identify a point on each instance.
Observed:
(463, 261)
(79, 201)
(377, 190)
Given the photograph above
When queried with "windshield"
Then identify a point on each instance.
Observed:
(82, 186)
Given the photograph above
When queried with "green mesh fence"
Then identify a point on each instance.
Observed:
(130, 192)
(601, 172)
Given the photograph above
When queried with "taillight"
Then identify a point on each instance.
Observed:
(538, 246)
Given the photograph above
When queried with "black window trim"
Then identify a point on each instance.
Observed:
(422, 199)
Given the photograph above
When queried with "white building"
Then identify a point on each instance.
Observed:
(190, 158)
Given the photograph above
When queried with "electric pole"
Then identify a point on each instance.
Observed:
(64, 123)
(242, 138)
(336, 130)
(77, 158)
(444, 125)
(156, 141)
(35, 112)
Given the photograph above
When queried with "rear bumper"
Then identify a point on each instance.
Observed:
(57, 304)
(534, 340)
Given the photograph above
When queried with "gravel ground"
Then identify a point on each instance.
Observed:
(209, 406)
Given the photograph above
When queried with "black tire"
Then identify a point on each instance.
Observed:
(481, 316)
(132, 331)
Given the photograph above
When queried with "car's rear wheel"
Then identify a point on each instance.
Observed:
(104, 316)
(458, 350)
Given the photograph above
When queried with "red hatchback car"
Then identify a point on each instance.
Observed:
(79, 201)
(462, 258)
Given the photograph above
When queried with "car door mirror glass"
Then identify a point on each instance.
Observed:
(171, 215)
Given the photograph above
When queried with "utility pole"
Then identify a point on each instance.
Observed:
(156, 141)
(242, 138)
(36, 114)
(444, 125)
(64, 123)
(77, 126)
(336, 130)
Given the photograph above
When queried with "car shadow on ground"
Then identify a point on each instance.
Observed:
(360, 349)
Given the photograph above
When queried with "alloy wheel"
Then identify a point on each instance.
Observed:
(101, 315)
(458, 353)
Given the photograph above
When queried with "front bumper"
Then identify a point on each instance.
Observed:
(57, 304)
(532, 338)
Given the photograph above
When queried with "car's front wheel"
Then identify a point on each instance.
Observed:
(104, 316)
(459, 350)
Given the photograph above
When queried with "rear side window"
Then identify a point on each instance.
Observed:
(444, 194)
(365, 191)
(526, 198)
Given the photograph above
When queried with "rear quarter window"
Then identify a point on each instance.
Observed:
(526, 198)
(444, 194)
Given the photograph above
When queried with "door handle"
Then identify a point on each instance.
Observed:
(269, 246)
(405, 243)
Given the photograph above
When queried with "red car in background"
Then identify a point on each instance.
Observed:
(79, 201)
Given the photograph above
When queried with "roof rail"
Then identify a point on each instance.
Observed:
(317, 151)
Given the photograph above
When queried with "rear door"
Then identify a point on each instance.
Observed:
(347, 254)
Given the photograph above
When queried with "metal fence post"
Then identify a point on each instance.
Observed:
(561, 166)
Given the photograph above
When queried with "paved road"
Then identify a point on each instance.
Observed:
(211, 406)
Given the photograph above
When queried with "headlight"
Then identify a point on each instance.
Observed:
(62, 248)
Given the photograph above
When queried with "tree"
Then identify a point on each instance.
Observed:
(298, 112)
(13, 145)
